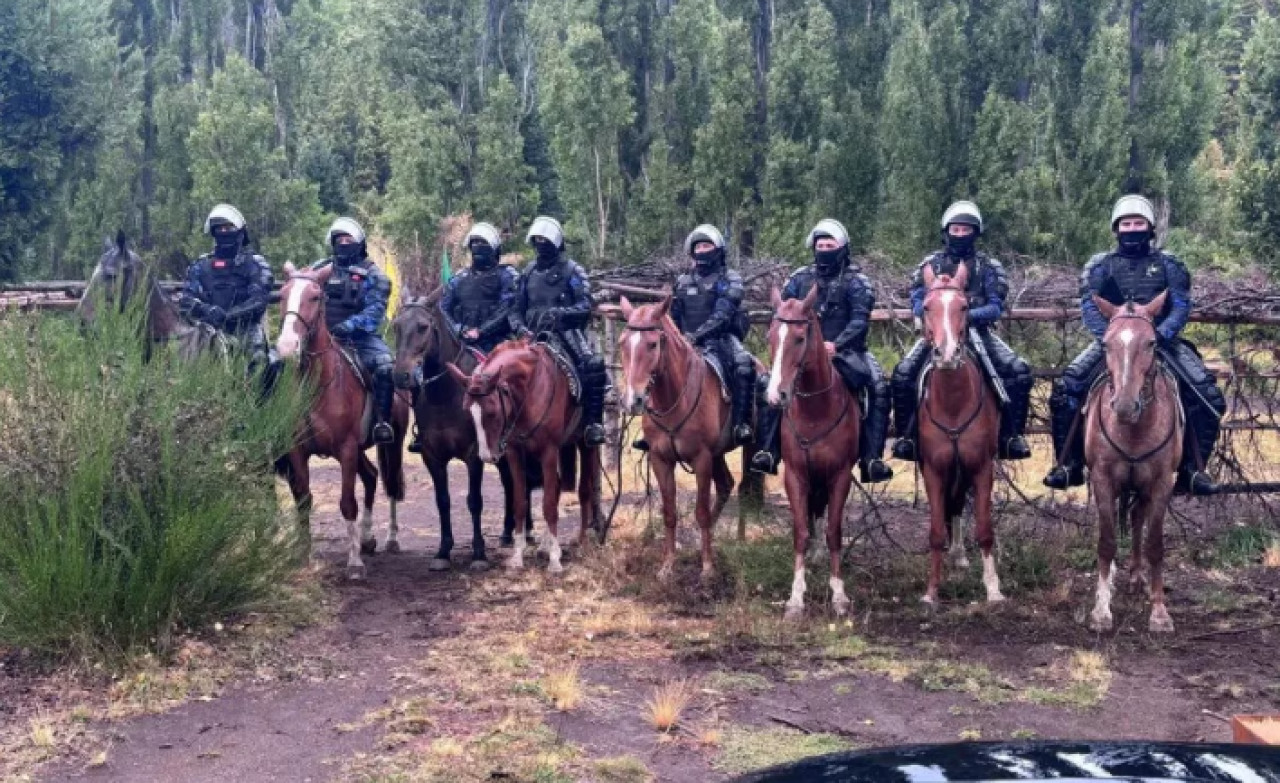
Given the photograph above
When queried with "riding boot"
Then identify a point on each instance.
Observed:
(875, 429)
(904, 417)
(593, 389)
(271, 375)
(415, 439)
(384, 392)
(768, 419)
(1068, 469)
(640, 444)
(743, 387)
(1201, 435)
(1013, 423)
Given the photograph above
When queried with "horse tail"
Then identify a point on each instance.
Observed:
(957, 493)
(391, 468)
(817, 499)
(568, 465)
(284, 468)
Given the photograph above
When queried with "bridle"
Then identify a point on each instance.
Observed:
(801, 367)
(953, 432)
(511, 418)
(694, 359)
(1146, 395)
(433, 327)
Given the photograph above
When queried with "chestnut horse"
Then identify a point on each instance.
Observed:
(1132, 446)
(335, 425)
(520, 402)
(822, 423)
(959, 420)
(686, 419)
(424, 339)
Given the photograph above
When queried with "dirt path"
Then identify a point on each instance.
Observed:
(381, 704)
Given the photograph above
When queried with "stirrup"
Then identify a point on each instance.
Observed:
(1064, 477)
(904, 449)
(1015, 448)
(640, 444)
(593, 434)
(873, 471)
(415, 443)
(763, 462)
(383, 434)
(743, 434)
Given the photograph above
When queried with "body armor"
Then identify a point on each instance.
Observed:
(548, 289)
(698, 300)
(975, 290)
(833, 305)
(477, 294)
(344, 293)
(1136, 279)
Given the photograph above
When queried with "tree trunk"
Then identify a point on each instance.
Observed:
(1134, 179)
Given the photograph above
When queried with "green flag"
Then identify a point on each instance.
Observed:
(446, 271)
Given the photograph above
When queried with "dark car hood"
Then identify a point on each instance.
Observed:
(1058, 761)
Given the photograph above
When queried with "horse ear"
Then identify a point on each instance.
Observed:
(289, 270)
(665, 305)
(1107, 309)
(961, 276)
(458, 375)
(775, 297)
(1154, 307)
(405, 296)
(811, 297)
(122, 241)
(928, 276)
(627, 308)
(324, 274)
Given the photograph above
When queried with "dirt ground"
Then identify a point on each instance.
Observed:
(466, 675)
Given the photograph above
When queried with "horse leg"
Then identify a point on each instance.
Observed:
(1151, 512)
(839, 496)
(955, 527)
(723, 479)
(520, 508)
(508, 516)
(1104, 496)
(300, 488)
(349, 460)
(439, 471)
(588, 462)
(369, 477)
(936, 491)
(665, 474)
(1135, 513)
(702, 511)
(798, 498)
(551, 507)
(475, 505)
(985, 530)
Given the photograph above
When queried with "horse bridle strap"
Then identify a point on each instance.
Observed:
(808, 443)
(510, 420)
(1148, 382)
(955, 432)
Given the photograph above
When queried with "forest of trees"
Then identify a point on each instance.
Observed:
(633, 120)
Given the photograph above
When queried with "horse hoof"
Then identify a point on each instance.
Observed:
(529, 541)
(369, 546)
(355, 573)
(841, 608)
(793, 614)
(962, 563)
(1161, 622)
(513, 566)
(930, 601)
(707, 576)
(555, 568)
(438, 564)
(393, 547)
(995, 598)
(1100, 622)
(664, 574)
(479, 564)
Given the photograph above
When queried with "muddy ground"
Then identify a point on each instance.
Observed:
(465, 675)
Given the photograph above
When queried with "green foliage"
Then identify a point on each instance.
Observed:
(723, 148)
(1258, 185)
(503, 190)
(137, 498)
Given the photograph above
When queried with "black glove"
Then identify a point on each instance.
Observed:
(215, 316)
(341, 330)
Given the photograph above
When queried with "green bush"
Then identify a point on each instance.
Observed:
(136, 499)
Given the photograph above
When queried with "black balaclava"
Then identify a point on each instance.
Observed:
(347, 254)
(830, 263)
(483, 256)
(227, 245)
(708, 261)
(547, 252)
(961, 247)
(1134, 244)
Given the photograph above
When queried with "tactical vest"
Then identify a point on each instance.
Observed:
(227, 281)
(975, 287)
(477, 294)
(1136, 279)
(344, 293)
(698, 298)
(546, 289)
(832, 304)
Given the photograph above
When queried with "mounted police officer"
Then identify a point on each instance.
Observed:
(845, 301)
(355, 306)
(707, 306)
(554, 298)
(477, 301)
(986, 291)
(230, 288)
(1137, 271)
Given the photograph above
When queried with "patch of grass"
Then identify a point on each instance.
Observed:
(1242, 545)
(667, 705)
(1024, 734)
(747, 749)
(763, 567)
(844, 648)
(1087, 680)
(727, 681)
(563, 688)
(970, 735)
(622, 769)
(971, 678)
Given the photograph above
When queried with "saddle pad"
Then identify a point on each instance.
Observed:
(713, 362)
(567, 367)
(353, 361)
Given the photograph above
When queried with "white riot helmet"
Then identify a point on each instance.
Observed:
(223, 213)
(485, 232)
(965, 212)
(345, 225)
(548, 228)
(1133, 205)
(828, 227)
(703, 233)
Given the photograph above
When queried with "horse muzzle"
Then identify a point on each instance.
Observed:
(404, 379)
(635, 402)
(1128, 411)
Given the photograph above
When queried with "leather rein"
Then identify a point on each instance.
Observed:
(511, 418)
(808, 443)
(1146, 395)
(656, 416)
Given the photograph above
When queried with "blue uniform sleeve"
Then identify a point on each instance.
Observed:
(1090, 284)
(500, 321)
(373, 309)
(449, 303)
(519, 304)
(577, 313)
(917, 290)
(257, 295)
(860, 300)
(792, 289)
(191, 298)
(1179, 300)
(995, 289)
(729, 293)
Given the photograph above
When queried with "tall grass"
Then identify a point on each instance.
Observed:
(136, 499)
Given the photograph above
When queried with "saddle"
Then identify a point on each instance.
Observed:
(366, 383)
(719, 370)
(566, 365)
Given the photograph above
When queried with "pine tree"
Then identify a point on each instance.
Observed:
(1257, 183)
(502, 188)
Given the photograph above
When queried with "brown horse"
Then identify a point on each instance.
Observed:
(424, 339)
(822, 422)
(522, 408)
(686, 419)
(1132, 446)
(335, 426)
(959, 421)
